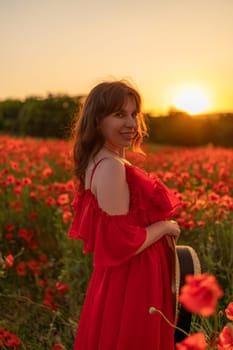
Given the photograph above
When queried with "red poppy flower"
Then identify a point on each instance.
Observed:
(9, 260)
(9, 340)
(16, 204)
(229, 311)
(33, 195)
(225, 339)
(26, 181)
(35, 267)
(21, 269)
(62, 289)
(63, 199)
(9, 236)
(50, 201)
(14, 165)
(195, 341)
(67, 215)
(43, 258)
(10, 180)
(201, 223)
(33, 244)
(33, 215)
(41, 283)
(9, 227)
(47, 171)
(200, 294)
(25, 234)
(66, 208)
(18, 189)
(48, 299)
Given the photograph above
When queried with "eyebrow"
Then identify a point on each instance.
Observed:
(124, 110)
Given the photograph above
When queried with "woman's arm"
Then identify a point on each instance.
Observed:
(112, 193)
(157, 231)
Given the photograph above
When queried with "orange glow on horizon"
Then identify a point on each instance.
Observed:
(193, 99)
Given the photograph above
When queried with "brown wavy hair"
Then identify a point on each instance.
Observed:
(103, 99)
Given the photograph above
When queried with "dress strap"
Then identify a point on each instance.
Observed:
(93, 170)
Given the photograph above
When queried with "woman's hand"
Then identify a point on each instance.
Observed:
(173, 229)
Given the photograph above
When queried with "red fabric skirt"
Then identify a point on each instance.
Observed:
(115, 314)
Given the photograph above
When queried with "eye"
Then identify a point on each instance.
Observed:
(134, 115)
(119, 114)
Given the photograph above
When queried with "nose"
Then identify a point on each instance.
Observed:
(131, 122)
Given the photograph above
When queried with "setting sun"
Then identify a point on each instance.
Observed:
(191, 99)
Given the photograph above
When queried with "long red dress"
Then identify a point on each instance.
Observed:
(123, 286)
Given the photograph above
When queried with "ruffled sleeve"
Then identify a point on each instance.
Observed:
(152, 196)
(112, 238)
(163, 202)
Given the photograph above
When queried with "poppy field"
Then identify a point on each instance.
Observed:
(44, 275)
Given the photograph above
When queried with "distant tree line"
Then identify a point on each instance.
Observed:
(53, 116)
(181, 129)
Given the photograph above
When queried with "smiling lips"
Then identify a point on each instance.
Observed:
(128, 135)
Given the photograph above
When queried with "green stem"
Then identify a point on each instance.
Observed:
(51, 326)
(215, 328)
(170, 323)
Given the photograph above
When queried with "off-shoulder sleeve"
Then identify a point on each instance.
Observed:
(112, 238)
(116, 240)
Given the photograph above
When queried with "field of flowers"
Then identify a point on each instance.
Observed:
(43, 274)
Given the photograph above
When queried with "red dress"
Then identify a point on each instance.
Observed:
(123, 286)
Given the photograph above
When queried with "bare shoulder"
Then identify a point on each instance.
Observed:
(110, 186)
(109, 171)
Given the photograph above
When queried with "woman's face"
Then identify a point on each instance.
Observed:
(120, 128)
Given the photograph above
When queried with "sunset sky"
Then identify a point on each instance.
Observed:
(176, 52)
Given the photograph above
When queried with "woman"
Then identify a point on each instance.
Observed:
(122, 215)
